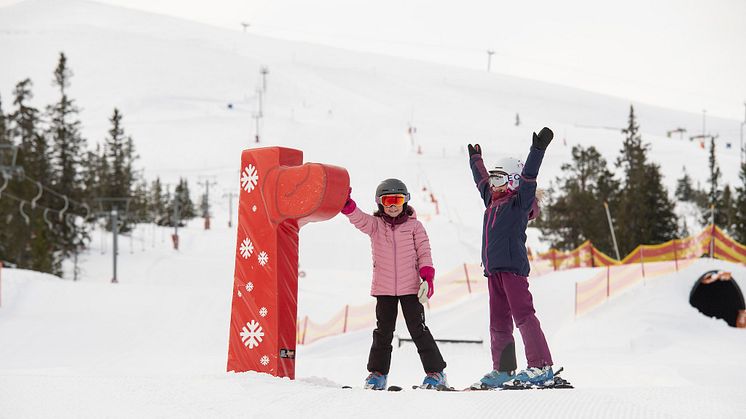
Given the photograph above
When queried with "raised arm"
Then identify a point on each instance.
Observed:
(527, 190)
(481, 177)
(364, 222)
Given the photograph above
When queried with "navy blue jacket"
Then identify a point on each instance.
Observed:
(506, 218)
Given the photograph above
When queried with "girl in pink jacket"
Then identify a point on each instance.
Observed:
(401, 257)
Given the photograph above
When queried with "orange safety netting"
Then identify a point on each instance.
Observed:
(649, 261)
(450, 288)
(646, 261)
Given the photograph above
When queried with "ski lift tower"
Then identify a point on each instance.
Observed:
(116, 209)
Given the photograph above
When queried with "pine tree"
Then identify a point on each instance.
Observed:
(713, 207)
(204, 206)
(90, 174)
(118, 176)
(739, 224)
(4, 139)
(645, 214)
(140, 202)
(586, 185)
(186, 206)
(67, 146)
(684, 189)
(728, 209)
(713, 210)
(33, 244)
(118, 181)
(5, 207)
(157, 203)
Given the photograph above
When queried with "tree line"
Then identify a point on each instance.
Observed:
(43, 151)
(639, 204)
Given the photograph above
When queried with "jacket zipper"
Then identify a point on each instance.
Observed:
(393, 237)
(486, 242)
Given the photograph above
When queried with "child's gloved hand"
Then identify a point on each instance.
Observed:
(349, 205)
(427, 288)
(474, 149)
(542, 140)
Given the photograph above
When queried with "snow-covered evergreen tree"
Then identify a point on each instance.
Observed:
(645, 214)
(67, 146)
(586, 184)
(684, 188)
(33, 245)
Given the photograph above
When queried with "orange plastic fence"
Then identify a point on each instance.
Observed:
(711, 241)
(613, 280)
(643, 263)
(450, 288)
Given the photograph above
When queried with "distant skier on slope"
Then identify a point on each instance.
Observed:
(509, 194)
(401, 256)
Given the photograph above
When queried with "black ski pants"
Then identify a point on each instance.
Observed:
(414, 315)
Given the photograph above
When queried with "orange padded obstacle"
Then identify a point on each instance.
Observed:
(279, 195)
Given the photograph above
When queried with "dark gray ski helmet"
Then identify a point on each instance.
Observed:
(391, 186)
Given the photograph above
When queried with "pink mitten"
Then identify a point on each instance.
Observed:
(349, 205)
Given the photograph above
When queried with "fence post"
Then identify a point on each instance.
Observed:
(712, 234)
(468, 283)
(347, 311)
(675, 255)
(576, 300)
(608, 281)
(554, 258)
(642, 262)
(305, 328)
(593, 255)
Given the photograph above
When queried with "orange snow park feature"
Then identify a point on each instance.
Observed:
(279, 194)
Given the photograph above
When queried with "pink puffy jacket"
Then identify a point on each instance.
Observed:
(398, 253)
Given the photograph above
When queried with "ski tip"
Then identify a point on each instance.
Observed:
(394, 388)
(346, 387)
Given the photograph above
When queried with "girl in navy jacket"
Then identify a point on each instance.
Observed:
(509, 194)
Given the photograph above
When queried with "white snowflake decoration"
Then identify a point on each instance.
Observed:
(263, 311)
(264, 360)
(253, 208)
(251, 334)
(239, 294)
(249, 286)
(263, 258)
(249, 178)
(247, 248)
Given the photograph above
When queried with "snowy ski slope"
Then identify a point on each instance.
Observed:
(155, 345)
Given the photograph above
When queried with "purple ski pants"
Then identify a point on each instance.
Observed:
(511, 300)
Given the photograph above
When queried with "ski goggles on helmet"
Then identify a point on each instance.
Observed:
(393, 199)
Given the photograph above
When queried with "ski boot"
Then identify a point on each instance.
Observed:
(434, 380)
(375, 381)
(493, 380)
(532, 377)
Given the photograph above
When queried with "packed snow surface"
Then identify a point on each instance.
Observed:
(155, 344)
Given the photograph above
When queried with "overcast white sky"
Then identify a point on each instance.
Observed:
(684, 54)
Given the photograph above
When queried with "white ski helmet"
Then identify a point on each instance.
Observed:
(507, 170)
